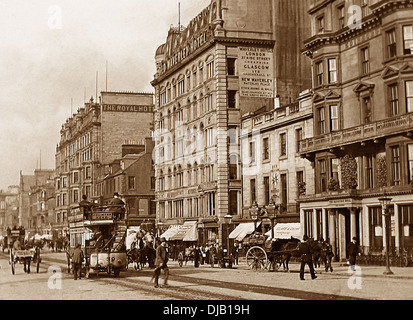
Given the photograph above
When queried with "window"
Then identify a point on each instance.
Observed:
(181, 87)
(320, 24)
(376, 228)
(334, 119)
(265, 149)
(180, 148)
(267, 190)
(252, 191)
(233, 202)
(391, 43)
(369, 172)
(210, 137)
(332, 70)
(211, 69)
(321, 122)
(232, 99)
(410, 162)
(366, 108)
(341, 16)
(300, 182)
(395, 166)
(298, 138)
(365, 60)
(408, 39)
(393, 99)
(284, 191)
(252, 152)
(283, 144)
(322, 169)
(231, 66)
(319, 73)
(208, 102)
(409, 96)
(131, 183)
(364, 8)
(406, 215)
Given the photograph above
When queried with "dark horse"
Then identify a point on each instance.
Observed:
(281, 252)
(322, 253)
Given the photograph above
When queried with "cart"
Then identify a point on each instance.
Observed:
(269, 255)
(24, 257)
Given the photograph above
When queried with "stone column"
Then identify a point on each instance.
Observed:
(332, 230)
(353, 223)
(324, 231)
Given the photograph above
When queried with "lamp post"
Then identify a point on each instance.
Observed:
(272, 211)
(228, 220)
(385, 203)
(254, 213)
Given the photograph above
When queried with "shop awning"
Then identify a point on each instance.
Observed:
(183, 230)
(286, 231)
(170, 232)
(192, 233)
(242, 230)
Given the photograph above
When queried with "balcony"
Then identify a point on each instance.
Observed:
(382, 128)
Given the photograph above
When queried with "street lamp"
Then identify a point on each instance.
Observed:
(254, 213)
(272, 211)
(228, 220)
(385, 203)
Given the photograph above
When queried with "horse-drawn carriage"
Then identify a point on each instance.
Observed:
(101, 230)
(269, 254)
(22, 256)
(140, 249)
(187, 254)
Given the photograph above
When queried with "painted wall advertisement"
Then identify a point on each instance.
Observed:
(256, 72)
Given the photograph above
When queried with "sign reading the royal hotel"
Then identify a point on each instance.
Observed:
(125, 108)
(256, 72)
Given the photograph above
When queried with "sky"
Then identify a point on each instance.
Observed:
(50, 51)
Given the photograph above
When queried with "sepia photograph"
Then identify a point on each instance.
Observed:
(206, 158)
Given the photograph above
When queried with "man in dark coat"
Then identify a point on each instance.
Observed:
(77, 259)
(353, 251)
(161, 261)
(118, 205)
(306, 258)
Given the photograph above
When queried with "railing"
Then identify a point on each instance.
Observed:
(357, 134)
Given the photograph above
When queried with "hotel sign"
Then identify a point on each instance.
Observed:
(256, 72)
(126, 108)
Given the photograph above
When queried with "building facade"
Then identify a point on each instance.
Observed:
(9, 209)
(362, 62)
(274, 169)
(91, 140)
(230, 60)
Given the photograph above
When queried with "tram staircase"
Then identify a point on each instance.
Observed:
(119, 237)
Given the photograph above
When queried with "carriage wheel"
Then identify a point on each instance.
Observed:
(257, 259)
(181, 259)
(12, 262)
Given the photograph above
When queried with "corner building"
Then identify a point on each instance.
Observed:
(362, 62)
(234, 58)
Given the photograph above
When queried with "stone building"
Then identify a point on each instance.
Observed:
(92, 139)
(9, 209)
(362, 62)
(274, 169)
(235, 57)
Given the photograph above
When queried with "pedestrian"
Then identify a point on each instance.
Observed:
(304, 249)
(353, 250)
(196, 252)
(161, 261)
(77, 259)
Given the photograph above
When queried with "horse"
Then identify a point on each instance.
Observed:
(322, 252)
(282, 250)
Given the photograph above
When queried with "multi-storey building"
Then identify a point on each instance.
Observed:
(274, 169)
(28, 214)
(9, 209)
(133, 176)
(233, 58)
(92, 139)
(362, 62)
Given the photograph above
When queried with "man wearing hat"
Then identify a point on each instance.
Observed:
(77, 259)
(306, 258)
(161, 261)
(353, 251)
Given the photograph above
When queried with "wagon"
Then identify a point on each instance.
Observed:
(267, 254)
(23, 257)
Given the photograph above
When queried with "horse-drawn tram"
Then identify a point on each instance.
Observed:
(101, 230)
